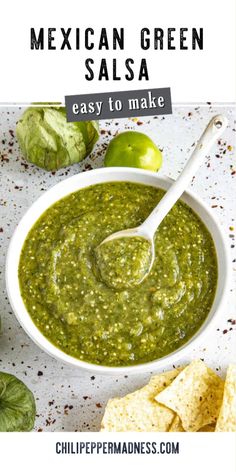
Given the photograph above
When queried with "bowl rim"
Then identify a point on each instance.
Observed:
(24, 318)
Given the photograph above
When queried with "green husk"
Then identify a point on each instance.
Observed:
(17, 405)
(49, 141)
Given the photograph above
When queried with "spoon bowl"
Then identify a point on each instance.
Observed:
(138, 232)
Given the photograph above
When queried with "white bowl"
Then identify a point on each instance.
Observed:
(73, 184)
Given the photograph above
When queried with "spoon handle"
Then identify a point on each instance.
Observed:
(213, 131)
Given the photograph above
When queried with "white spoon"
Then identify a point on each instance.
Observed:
(148, 228)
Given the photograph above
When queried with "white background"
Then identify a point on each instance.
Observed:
(198, 76)
(198, 452)
(194, 76)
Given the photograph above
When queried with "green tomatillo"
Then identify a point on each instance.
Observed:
(133, 149)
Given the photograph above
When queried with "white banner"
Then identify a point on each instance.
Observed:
(194, 55)
(114, 452)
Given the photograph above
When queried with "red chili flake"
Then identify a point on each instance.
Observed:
(1, 230)
(139, 123)
(98, 405)
(214, 206)
(233, 322)
(88, 167)
(26, 166)
(4, 158)
(225, 331)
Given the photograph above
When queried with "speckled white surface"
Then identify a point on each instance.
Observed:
(68, 399)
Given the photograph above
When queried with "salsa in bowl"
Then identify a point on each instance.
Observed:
(87, 322)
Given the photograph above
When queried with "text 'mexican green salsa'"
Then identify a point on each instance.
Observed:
(81, 314)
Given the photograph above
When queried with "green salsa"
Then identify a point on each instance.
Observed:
(64, 287)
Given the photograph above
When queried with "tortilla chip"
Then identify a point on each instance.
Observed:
(227, 415)
(209, 428)
(139, 411)
(195, 395)
(176, 425)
